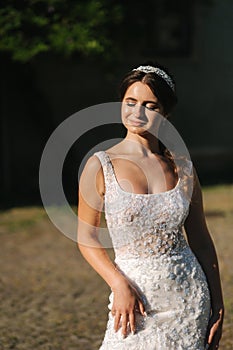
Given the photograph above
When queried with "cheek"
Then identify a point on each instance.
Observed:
(155, 120)
(125, 112)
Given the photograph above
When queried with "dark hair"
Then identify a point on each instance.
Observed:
(166, 96)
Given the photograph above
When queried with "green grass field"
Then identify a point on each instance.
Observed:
(51, 299)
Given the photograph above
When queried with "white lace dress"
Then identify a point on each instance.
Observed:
(150, 249)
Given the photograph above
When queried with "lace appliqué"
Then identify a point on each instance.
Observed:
(152, 252)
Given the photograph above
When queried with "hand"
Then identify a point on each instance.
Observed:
(126, 301)
(214, 331)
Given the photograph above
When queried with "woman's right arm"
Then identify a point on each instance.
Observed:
(91, 196)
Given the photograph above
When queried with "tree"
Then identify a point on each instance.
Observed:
(30, 27)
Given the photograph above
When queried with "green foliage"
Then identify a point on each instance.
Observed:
(30, 27)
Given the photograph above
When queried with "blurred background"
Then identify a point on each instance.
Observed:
(56, 58)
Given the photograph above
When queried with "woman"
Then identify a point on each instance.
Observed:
(166, 291)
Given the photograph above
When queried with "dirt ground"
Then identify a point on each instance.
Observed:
(51, 299)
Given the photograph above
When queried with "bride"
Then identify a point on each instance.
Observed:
(165, 290)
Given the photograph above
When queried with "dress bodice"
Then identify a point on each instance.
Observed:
(144, 224)
(152, 252)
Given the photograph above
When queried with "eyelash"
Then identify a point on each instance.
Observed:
(151, 108)
(131, 104)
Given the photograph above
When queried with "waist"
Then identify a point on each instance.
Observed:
(151, 245)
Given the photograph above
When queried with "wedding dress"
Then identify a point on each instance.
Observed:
(151, 250)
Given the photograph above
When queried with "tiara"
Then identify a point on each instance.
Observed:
(159, 72)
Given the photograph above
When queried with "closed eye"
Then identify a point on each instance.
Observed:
(130, 103)
(152, 107)
(149, 105)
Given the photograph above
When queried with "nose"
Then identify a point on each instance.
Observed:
(139, 110)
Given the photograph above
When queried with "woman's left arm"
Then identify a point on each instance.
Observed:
(201, 244)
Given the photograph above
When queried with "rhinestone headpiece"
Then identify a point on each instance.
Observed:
(159, 72)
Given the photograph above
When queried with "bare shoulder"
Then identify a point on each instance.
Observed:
(93, 163)
(92, 174)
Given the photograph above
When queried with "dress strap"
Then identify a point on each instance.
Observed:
(107, 168)
(102, 157)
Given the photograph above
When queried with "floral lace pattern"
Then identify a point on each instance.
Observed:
(151, 251)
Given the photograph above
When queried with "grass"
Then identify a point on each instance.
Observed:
(46, 285)
(218, 204)
(20, 219)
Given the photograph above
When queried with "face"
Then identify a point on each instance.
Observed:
(140, 108)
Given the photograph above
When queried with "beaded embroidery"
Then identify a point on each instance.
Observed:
(151, 250)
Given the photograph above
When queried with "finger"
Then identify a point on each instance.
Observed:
(117, 321)
(113, 312)
(141, 308)
(212, 332)
(124, 322)
(216, 339)
(132, 322)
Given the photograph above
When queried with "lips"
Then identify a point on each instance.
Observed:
(135, 122)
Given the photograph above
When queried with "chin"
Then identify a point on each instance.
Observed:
(138, 131)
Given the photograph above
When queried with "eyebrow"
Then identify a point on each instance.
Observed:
(148, 101)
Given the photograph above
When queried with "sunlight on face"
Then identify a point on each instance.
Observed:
(140, 108)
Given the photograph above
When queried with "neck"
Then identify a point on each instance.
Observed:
(142, 144)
